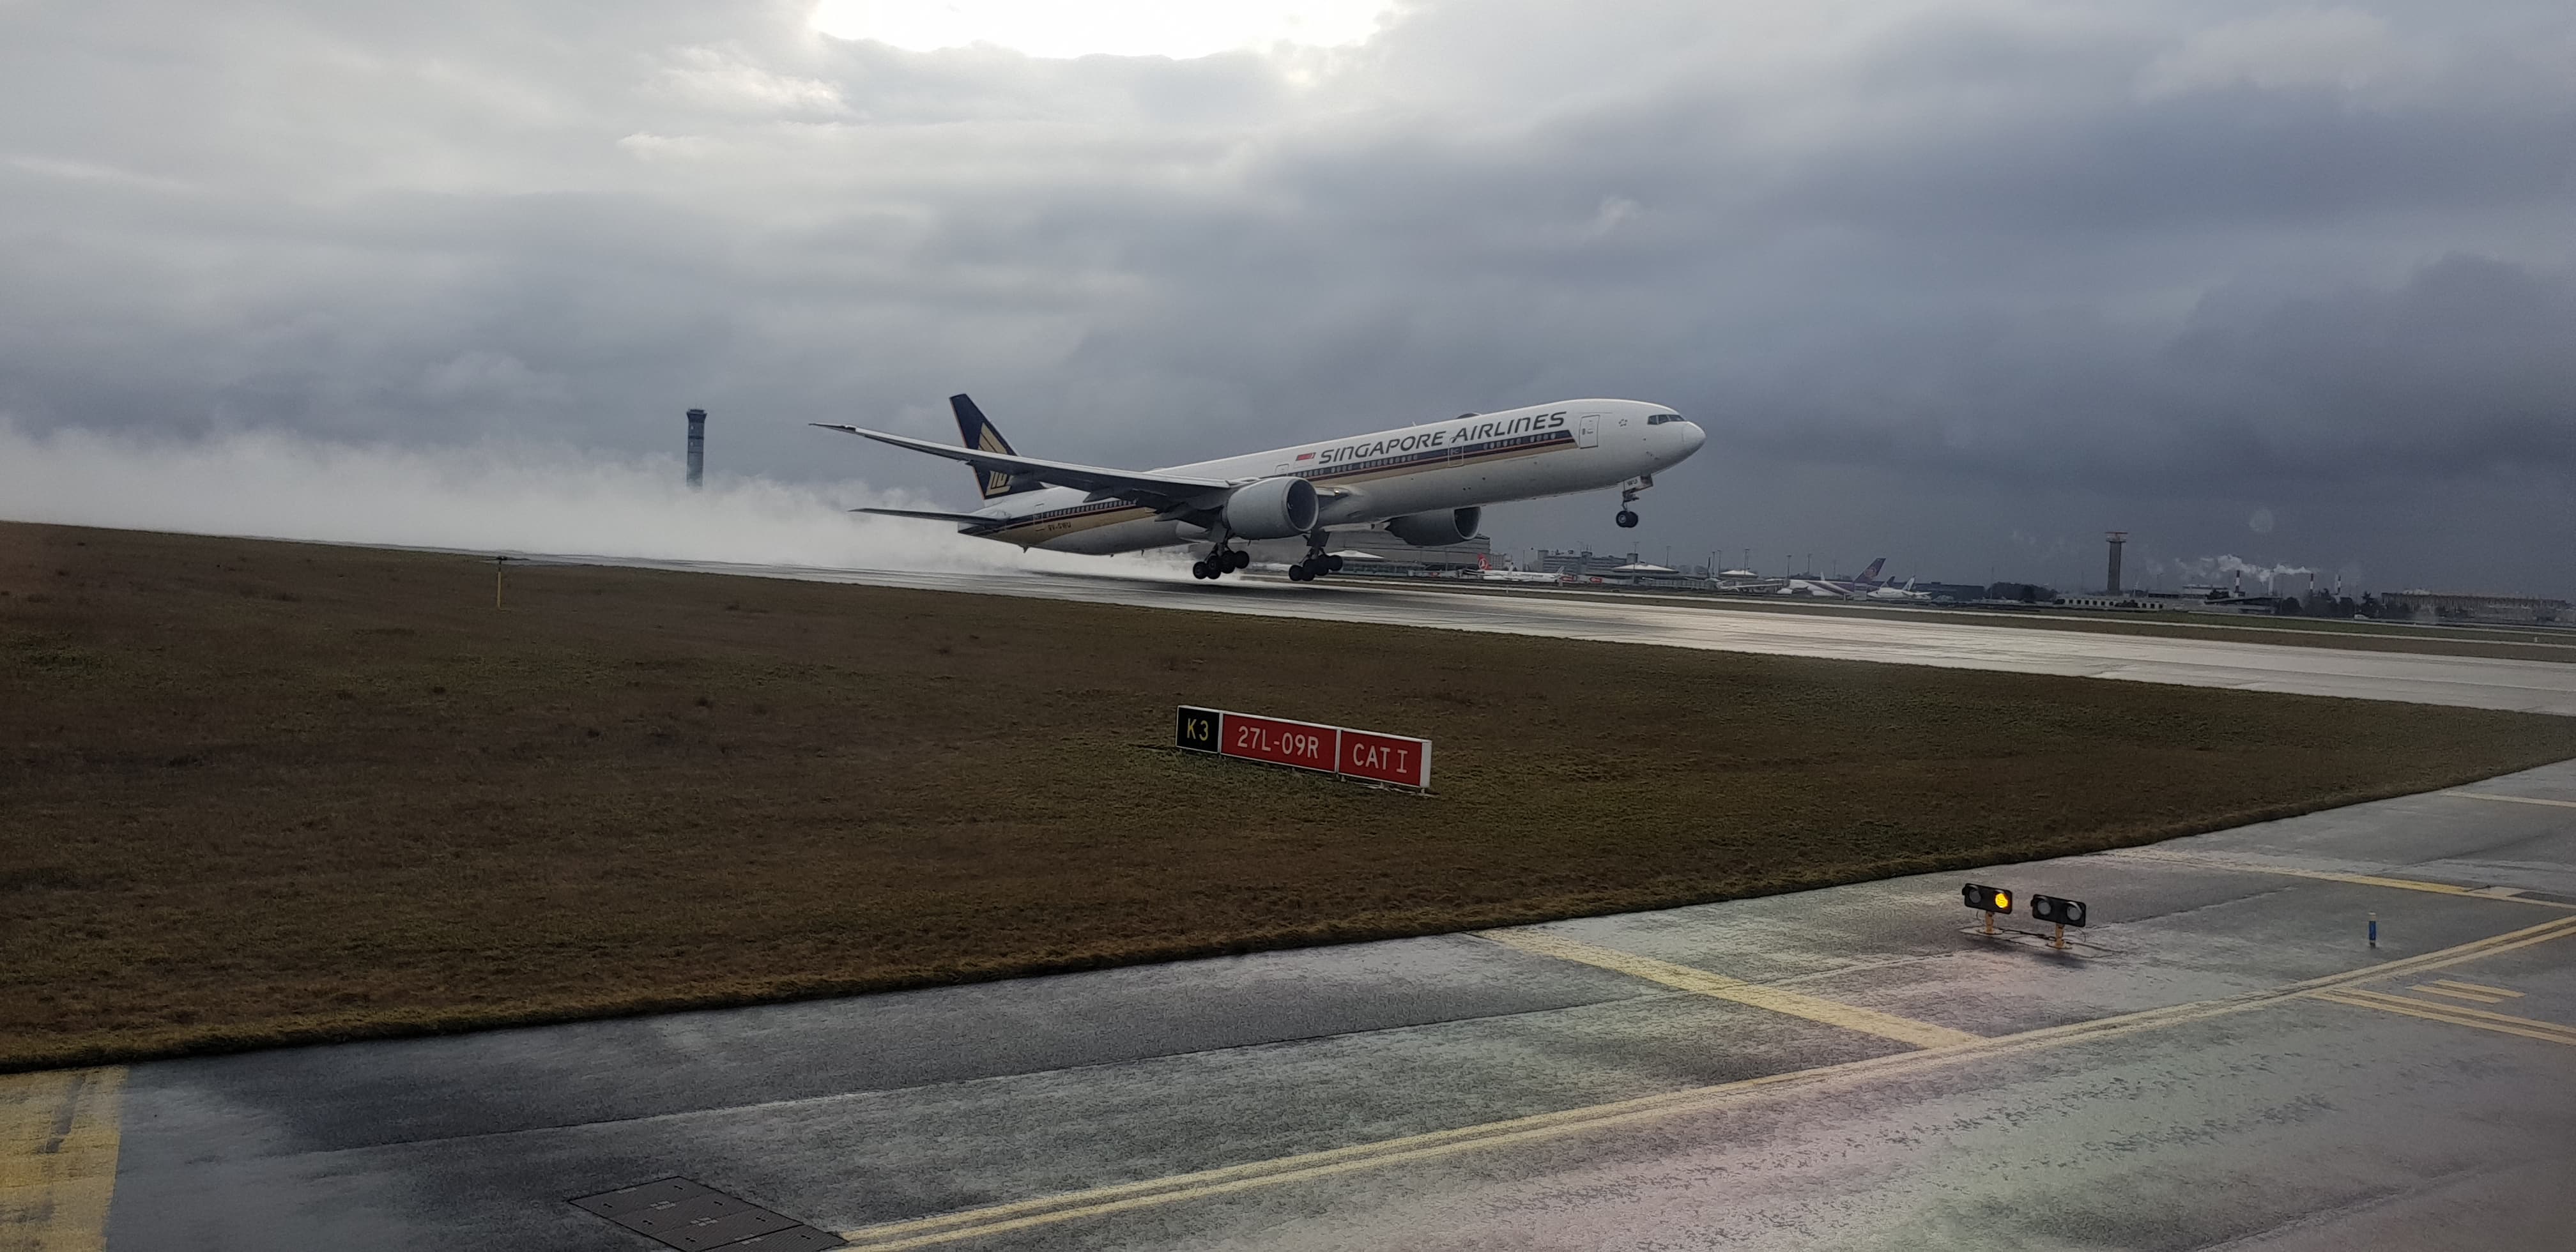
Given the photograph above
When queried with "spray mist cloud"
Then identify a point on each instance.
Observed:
(486, 497)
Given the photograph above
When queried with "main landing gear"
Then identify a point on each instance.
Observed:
(1317, 564)
(1627, 517)
(1221, 562)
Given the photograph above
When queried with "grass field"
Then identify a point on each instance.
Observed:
(262, 792)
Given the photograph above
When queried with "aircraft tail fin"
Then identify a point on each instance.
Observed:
(1870, 575)
(974, 430)
(1483, 564)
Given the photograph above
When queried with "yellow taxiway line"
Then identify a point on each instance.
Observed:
(2466, 991)
(2489, 795)
(1702, 982)
(2457, 1015)
(1122, 1197)
(2200, 861)
(58, 1138)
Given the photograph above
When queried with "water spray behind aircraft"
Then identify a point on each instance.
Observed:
(485, 497)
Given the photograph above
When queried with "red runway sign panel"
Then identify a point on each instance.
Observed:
(1302, 744)
(1361, 754)
(1386, 758)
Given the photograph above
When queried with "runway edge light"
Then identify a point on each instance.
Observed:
(1988, 900)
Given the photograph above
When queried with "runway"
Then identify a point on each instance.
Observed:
(2471, 682)
(2220, 1059)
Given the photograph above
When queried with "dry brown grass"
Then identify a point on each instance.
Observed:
(261, 792)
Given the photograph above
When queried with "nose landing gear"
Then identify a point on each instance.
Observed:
(1627, 518)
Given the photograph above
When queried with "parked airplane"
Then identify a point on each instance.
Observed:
(1426, 485)
(1493, 575)
(1906, 592)
(1864, 585)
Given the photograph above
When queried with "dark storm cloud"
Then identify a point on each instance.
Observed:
(2024, 271)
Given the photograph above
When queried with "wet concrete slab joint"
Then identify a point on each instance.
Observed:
(694, 1217)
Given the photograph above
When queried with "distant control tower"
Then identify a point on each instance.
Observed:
(698, 450)
(2117, 537)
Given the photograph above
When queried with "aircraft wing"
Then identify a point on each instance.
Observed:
(962, 519)
(1164, 490)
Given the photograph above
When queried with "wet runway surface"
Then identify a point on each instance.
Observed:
(2473, 682)
(2220, 1059)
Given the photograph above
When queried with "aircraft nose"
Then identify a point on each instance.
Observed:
(1692, 437)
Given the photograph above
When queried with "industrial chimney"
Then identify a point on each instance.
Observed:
(2118, 537)
(697, 446)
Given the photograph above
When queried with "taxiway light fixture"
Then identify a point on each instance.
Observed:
(1987, 900)
(2064, 913)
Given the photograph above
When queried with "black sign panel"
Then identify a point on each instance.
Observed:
(2062, 912)
(1197, 730)
(1989, 899)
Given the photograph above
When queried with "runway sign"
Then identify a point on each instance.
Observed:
(1386, 758)
(1366, 755)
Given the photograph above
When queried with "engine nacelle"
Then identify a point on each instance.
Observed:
(1274, 508)
(1436, 530)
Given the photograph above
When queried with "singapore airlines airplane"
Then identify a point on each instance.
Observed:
(1426, 485)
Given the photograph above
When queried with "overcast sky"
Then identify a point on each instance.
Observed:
(1962, 283)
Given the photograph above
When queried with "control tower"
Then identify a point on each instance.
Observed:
(698, 451)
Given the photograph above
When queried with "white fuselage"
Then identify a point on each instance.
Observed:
(1464, 462)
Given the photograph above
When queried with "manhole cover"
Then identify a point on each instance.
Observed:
(694, 1217)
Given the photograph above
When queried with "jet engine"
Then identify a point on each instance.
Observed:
(1274, 508)
(1436, 530)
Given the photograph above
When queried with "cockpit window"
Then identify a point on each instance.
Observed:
(1658, 419)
